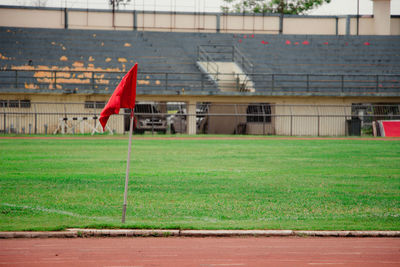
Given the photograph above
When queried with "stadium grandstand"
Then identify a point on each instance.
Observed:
(220, 73)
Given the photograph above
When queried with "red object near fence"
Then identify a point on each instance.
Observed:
(391, 128)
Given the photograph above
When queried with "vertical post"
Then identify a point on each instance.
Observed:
(35, 122)
(218, 22)
(348, 21)
(377, 83)
(94, 114)
(134, 20)
(291, 121)
(16, 79)
(65, 18)
(113, 14)
(127, 168)
(92, 80)
(291, 124)
(237, 120)
(5, 124)
(337, 26)
(358, 17)
(342, 82)
(280, 23)
(55, 79)
(272, 81)
(263, 111)
(318, 122)
(152, 120)
(35, 118)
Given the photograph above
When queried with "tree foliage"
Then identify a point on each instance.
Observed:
(271, 6)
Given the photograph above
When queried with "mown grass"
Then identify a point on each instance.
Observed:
(201, 184)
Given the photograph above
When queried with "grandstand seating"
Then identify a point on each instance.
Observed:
(167, 61)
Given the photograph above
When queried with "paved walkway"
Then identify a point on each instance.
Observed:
(208, 251)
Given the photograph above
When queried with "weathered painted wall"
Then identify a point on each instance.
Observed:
(194, 22)
(381, 9)
(292, 25)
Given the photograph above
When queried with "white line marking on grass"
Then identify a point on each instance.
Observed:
(43, 209)
(62, 212)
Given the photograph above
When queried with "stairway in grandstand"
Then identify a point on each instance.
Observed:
(226, 66)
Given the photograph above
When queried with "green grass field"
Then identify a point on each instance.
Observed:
(200, 184)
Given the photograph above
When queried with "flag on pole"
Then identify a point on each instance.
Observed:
(124, 96)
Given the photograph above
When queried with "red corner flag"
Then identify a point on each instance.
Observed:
(124, 96)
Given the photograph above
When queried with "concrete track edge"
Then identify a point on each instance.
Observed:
(75, 233)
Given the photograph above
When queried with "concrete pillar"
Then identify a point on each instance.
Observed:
(348, 22)
(382, 17)
(191, 118)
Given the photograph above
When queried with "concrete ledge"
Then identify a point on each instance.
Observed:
(349, 233)
(123, 232)
(322, 233)
(226, 233)
(62, 234)
(73, 233)
(375, 233)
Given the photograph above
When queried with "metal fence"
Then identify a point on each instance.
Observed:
(75, 81)
(205, 118)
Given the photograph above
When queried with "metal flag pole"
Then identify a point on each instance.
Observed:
(127, 167)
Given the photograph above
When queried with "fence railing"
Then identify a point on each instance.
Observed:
(242, 61)
(75, 81)
(228, 53)
(211, 66)
(252, 118)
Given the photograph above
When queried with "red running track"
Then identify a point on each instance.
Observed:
(174, 251)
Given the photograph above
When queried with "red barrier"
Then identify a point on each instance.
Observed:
(391, 128)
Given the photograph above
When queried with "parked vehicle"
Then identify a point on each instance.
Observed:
(179, 124)
(149, 118)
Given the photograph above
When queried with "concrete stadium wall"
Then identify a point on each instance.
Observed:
(249, 24)
(395, 26)
(188, 22)
(35, 18)
(305, 25)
